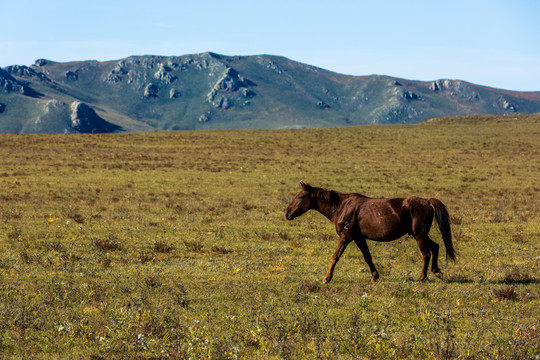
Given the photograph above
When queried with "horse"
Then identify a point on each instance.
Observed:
(358, 218)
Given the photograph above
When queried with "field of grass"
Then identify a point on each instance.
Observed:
(174, 245)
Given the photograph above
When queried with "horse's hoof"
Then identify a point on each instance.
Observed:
(422, 279)
(325, 281)
(439, 275)
(374, 277)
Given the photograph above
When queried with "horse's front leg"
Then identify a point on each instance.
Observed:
(362, 244)
(344, 240)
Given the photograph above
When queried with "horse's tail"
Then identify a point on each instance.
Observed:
(443, 219)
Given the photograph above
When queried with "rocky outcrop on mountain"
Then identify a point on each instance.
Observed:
(396, 113)
(229, 82)
(409, 95)
(9, 84)
(507, 105)
(112, 79)
(119, 70)
(269, 64)
(41, 62)
(247, 93)
(223, 103)
(151, 91)
(232, 81)
(54, 105)
(164, 74)
(116, 74)
(85, 120)
(72, 75)
(455, 88)
(174, 94)
(323, 105)
(204, 118)
(26, 72)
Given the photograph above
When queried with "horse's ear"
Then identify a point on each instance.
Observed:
(306, 187)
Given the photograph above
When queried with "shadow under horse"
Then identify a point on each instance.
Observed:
(359, 218)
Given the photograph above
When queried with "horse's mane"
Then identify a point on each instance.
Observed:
(328, 196)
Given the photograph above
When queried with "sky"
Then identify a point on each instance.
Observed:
(492, 43)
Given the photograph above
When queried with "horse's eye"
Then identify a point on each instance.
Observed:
(302, 196)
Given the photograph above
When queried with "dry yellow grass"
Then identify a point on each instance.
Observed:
(175, 245)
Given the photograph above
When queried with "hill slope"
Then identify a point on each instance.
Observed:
(208, 90)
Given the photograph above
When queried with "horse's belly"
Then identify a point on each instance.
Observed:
(383, 231)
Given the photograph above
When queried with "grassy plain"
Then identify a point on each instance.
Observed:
(174, 245)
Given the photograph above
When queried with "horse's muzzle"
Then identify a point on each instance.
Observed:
(289, 215)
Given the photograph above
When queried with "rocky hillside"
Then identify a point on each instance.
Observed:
(210, 91)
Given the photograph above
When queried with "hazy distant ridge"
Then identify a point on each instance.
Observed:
(211, 91)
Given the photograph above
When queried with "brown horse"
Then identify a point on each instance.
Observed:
(358, 217)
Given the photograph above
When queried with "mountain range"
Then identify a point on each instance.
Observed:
(212, 91)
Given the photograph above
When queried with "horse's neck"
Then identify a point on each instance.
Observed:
(328, 206)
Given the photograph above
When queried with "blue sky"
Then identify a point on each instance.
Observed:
(493, 43)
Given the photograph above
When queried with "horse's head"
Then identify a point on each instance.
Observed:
(301, 202)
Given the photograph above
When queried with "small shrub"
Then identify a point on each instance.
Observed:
(498, 218)
(106, 244)
(517, 277)
(505, 294)
(25, 258)
(459, 235)
(106, 262)
(458, 278)
(283, 235)
(162, 247)
(221, 250)
(182, 300)
(455, 219)
(175, 206)
(193, 246)
(55, 245)
(517, 237)
(310, 286)
(442, 342)
(326, 237)
(15, 234)
(76, 217)
(153, 282)
(146, 257)
(247, 206)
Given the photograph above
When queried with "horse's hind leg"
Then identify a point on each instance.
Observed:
(435, 261)
(420, 229)
(424, 247)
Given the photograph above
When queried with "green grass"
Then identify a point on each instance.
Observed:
(175, 245)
